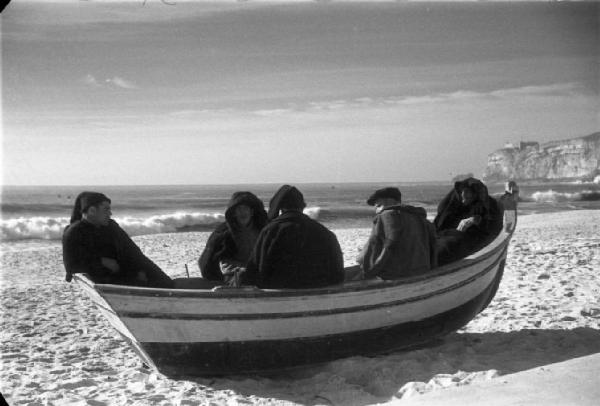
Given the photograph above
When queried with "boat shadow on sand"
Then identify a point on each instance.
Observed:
(458, 359)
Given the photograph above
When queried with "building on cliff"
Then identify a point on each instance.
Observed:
(576, 158)
(527, 144)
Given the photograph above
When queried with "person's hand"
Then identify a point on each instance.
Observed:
(226, 268)
(465, 224)
(111, 264)
(236, 281)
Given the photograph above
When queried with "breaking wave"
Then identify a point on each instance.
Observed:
(51, 228)
(551, 196)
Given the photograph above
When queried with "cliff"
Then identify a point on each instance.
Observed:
(576, 158)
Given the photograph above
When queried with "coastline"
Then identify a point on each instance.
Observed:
(58, 350)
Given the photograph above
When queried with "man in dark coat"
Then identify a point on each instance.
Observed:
(294, 251)
(402, 241)
(230, 245)
(95, 244)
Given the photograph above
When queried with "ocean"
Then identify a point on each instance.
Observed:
(40, 213)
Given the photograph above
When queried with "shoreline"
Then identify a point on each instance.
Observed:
(57, 349)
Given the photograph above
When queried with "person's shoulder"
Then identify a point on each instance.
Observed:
(75, 226)
(113, 223)
(412, 210)
(220, 232)
(222, 228)
(113, 226)
(76, 230)
(319, 226)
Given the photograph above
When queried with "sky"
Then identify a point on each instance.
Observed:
(113, 92)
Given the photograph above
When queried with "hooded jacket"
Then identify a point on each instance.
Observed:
(222, 242)
(484, 208)
(409, 242)
(295, 252)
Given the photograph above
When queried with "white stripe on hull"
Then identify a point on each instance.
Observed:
(124, 304)
(198, 330)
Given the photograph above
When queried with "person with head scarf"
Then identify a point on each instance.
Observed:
(402, 241)
(229, 247)
(467, 217)
(96, 245)
(294, 251)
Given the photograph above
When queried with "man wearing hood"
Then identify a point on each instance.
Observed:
(230, 245)
(294, 251)
(402, 241)
(467, 217)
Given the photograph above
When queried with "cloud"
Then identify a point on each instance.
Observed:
(553, 89)
(115, 82)
(90, 80)
(556, 90)
(272, 112)
(122, 83)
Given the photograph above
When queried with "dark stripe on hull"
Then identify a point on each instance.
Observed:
(223, 358)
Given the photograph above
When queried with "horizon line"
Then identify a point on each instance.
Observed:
(231, 184)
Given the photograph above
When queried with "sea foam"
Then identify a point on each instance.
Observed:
(51, 228)
(551, 196)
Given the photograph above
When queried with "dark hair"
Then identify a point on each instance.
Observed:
(84, 201)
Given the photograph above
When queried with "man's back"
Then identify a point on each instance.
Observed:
(294, 251)
(409, 240)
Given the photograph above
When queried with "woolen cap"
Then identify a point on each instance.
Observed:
(386, 192)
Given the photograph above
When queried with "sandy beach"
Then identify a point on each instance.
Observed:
(57, 350)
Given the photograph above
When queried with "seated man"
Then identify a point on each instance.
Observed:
(467, 217)
(230, 245)
(293, 251)
(96, 245)
(402, 241)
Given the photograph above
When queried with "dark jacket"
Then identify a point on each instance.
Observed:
(453, 244)
(484, 208)
(409, 242)
(293, 251)
(222, 242)
(84, 244)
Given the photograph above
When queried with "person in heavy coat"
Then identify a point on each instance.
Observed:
(95, 244)
(402, 240)
(229, 247)
(467, 218)
(294, 251)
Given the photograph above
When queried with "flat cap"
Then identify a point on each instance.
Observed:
(386, 192)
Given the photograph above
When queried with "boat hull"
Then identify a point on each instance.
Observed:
(231, 331)
(224, 358)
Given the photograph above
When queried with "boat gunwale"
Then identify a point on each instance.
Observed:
(313, 313)
(499, 243)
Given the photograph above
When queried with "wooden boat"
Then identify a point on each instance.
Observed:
(231, 331)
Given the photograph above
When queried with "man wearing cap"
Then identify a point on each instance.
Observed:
(402, 241)
(94, 244)
(293, 251)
